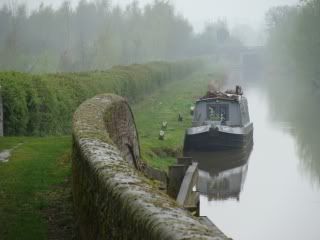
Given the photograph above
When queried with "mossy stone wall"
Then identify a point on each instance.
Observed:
(112, 199)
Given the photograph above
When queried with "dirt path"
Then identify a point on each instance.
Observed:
(59, 213)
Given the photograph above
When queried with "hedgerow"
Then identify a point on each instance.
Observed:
(44, 104)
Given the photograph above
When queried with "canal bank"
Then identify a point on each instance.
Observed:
(165, 105)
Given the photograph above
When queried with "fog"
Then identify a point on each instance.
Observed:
(248, 12)
(87, 35)
(98, 35)
(51, 36)
(269, 46)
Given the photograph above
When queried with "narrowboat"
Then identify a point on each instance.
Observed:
(220, 122)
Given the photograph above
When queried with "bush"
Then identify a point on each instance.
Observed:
(44, 104)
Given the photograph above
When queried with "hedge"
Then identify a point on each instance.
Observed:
(44, 104)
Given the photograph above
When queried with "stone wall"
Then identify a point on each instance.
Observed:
(112, 199)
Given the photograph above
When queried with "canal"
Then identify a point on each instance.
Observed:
(266, 192)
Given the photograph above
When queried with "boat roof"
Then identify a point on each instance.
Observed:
(228, 95)
(220, 96)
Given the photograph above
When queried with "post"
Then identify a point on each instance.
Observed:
(1, 114)
(175, 175)
(187, 197)
(184, 161)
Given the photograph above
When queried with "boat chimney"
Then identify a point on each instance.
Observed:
(239, 90)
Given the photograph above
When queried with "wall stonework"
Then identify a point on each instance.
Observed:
(112, 199)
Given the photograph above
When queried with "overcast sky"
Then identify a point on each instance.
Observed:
(249, 12)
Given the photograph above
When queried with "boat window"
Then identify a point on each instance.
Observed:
(196, 115)
(218, 112)
(244, 112)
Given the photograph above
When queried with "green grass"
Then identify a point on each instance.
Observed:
(165, 105)
(26, 183)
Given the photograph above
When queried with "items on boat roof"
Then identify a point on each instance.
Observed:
(237, 91)
(228, 94)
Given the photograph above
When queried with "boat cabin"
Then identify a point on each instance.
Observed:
(220, 121)
(223, 109)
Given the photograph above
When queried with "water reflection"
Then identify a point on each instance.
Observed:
(307, 141)
(222, 174)
(305, 131)
(300, 108)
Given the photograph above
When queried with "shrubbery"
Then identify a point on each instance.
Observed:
(44, 104)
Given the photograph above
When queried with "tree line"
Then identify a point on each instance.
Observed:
(98, 35)
(294, 40)
(294, 74)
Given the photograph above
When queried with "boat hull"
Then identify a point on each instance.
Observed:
(212, 139)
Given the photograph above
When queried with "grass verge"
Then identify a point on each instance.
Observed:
(33, 187)
(165, 105)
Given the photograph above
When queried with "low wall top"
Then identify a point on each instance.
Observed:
(112, 199)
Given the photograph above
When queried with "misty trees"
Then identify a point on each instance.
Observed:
(97, 35)
(214, 34)
(12, 23)
(295, 35)
(294, 57)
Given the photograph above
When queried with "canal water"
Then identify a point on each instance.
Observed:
(265, 192)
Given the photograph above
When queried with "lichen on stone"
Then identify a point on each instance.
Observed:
(113, 200)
